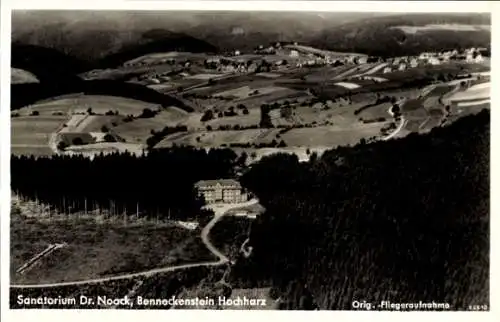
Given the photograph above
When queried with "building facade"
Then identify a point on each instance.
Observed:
(221, 191)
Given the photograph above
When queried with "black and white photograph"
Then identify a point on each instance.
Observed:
(249, 160)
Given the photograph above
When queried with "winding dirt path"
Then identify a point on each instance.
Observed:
(397, 130)
(219, 211)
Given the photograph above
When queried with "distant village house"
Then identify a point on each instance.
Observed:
(362, 59)
(413, 62)
(434, 61)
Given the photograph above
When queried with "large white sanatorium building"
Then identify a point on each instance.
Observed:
(223, 190)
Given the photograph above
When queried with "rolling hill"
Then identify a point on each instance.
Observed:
(93, 36)
(384, 36)
(112, 36)
(157, 40)
(25, 94)
(47, 64)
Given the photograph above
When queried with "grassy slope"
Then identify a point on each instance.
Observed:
(374, 36)
(96, 250)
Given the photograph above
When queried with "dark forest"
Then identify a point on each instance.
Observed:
(159, 185)
(405, 221)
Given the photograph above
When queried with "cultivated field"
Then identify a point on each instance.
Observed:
(269, 75)
(217, 138)
(476, 92)
(21, 76)
(374, 69)
(339, 118)
(34, 129)
(329, 73)
(463, 109)
(94, 123)
(97, 249)
(246, 91)
(138, 130)
(79, 103)
(312, 50)
(253, 118)
(162, 58)
(280, 95)
(249, 91)
(347, 85)
(31, 134)
(376, 111)
(205, 76)
(162, 87)
(332, 136)
(362, 70)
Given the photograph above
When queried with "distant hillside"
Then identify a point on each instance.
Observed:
(247, 30)
(47, 64)
(91, 36)
(157, 40)
(25, 94)
(102, 48)
(380, 35)
(106, 39)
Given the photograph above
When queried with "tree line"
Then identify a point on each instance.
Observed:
(159, 184)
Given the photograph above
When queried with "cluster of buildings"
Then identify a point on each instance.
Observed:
(150, 62)
(314, 60)
(239, 67)
(245, 64)
(470, 55)
(278, 57)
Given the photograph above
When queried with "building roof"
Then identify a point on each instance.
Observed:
(222, 182)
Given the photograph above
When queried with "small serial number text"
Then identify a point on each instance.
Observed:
(478, 307)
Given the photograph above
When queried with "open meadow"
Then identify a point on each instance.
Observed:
(163, 57)
(34, 130)
(333, 135)
(139, 129)
(475, 92)
(247, 91)
(80, 103)
(252, 118)
(21, 76)
(329, 73)
(31, 134)
(218, 138)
